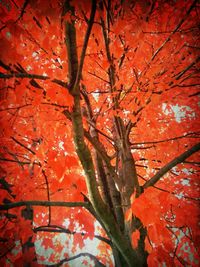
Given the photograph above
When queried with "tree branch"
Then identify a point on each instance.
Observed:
(19, 143)
(33, 76)
(83, 254)
(44, 204)
(189, 135)
(26, 2)
(171, 164)
(175, 30)
(87, 35)
(100, 149)
(23, 75)
(48, 193)
(85, 157)
(170, 192)
(95, 75)
(59, 229)
(17, 161)
(180, 74)
(103, 154)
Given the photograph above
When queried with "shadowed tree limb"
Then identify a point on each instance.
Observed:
(59, 229)
(101, 151)
(85, 44)
(32, 76)
(180, 74)
(170, 192)
(84, 254)
(23, 75)
(107, 186)
(171, 164)
(44, 204)
(87, 205)
(16, 161)
(19, 143)
(188, 135)
(23, 9)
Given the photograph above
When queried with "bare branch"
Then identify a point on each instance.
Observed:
(95, 75)
(189, 135)
(87, 35)
(99, 131)
(171, 164)
(23, 9)
(59, 229)
(5, 66)
(99, 148)
(23, 75)
(48, 193)
(17, 161)
(44, 204)
(175, 30)
(33, 76)
(22, 145)
(180, 74)
(83, 254)
(61, 83)
(170, 192)
(188, 85)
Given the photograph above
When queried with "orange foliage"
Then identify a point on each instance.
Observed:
(156, 65)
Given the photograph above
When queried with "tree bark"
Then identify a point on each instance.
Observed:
(102, 209)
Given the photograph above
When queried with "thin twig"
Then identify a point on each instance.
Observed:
(174, 31)
(22, 145)
(48, 193)
(188, 135)
(83, 254)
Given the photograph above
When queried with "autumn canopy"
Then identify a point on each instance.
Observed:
(99, 133)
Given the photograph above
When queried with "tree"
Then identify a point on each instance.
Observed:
(99, 112)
